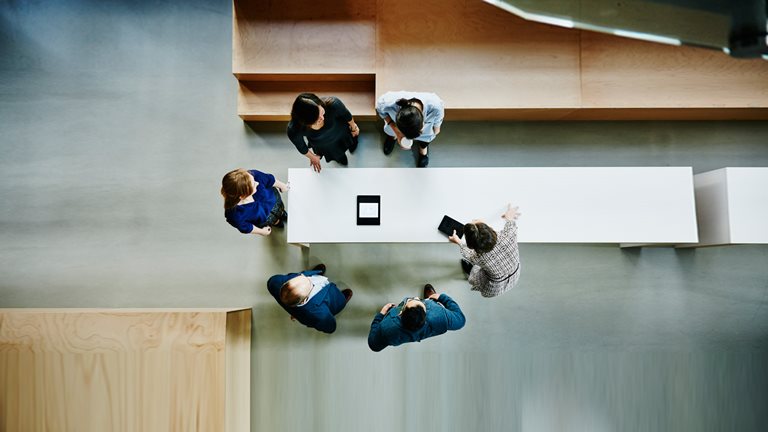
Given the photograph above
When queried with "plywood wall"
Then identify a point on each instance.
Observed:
(107, 370)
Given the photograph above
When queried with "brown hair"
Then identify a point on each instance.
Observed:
(480, 237)
(235, 185)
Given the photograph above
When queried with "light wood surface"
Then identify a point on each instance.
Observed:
(626, 73)
(638, 205)
(485, 63)
(300, 36)
(238, 371)
(475, 56)
(272, 100)
(103, 370)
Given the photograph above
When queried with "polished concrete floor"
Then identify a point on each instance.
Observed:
(117, 121)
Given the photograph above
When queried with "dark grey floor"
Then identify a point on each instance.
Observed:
(117, 121)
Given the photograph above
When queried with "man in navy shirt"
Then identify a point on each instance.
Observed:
(415, 319)
(310, 297)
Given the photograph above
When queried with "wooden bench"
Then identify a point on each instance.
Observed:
(485, 63)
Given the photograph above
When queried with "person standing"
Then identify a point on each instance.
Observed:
(414, 320)
(252, 201)
(491, 260)
(328, 127)
(411, 116)
(310, 297)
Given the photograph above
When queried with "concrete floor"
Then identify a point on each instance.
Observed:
(117, 122)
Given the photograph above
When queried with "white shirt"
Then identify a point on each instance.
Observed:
(434, 111)
(318, 283)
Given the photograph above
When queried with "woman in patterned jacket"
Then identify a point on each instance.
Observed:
(491, 259)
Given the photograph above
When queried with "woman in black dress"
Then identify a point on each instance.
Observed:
(328, 127)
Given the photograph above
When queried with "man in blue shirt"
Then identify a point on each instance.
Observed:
(415, 319)
(310, 297)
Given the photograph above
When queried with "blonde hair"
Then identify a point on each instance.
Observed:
(235, 185)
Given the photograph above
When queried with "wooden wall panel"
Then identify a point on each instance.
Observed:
(300, 36)
(625, 73)
(118, 370)
(474, 55)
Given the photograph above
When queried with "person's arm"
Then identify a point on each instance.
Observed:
(376, 341)
(353, 128)
(327, 323)
(298, 141)
(510, 226)
(383, 106)
(453, 314)
(439, 106)
(468, 254)
(391, 123)
(282, 187)
(249, 228)
(267, 230)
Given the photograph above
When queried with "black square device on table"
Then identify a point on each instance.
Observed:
(369, 210)
(449, 224)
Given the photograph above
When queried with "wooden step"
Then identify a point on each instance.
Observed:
(272, 100)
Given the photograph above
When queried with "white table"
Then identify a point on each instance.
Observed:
(732, 206)
(646, 205)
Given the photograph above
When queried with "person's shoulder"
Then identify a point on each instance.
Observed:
(234, 212)
(333, 103)
(294, 128)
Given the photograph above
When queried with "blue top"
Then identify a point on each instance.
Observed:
(245, 216)
(434, 111)
(319, 311)
(442, 315)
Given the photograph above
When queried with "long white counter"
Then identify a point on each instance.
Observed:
(634, 205)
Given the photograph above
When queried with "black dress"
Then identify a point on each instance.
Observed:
(332, 140)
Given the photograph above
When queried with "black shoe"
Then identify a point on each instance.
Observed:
(428, 291)
(353, 147)
(466, 266)
(423, 161)
(320, 267)
(347, 294)
(343, 161)
(389, 145)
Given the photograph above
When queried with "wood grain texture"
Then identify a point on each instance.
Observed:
(475, 56)
(485, 63)
(299, 36)
(238, 370)
(104, 370)
(265, 100)
(626, 73)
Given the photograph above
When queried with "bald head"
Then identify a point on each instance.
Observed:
(295, 290)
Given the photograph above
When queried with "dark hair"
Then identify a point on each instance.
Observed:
(305, 111)
(480, 237)
(234, 185)
(413, 317)
(409, 119)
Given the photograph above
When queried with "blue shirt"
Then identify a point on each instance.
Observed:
(388, 330)
(434, 111)
(245, 216)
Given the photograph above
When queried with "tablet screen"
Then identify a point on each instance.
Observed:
(369, 209)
